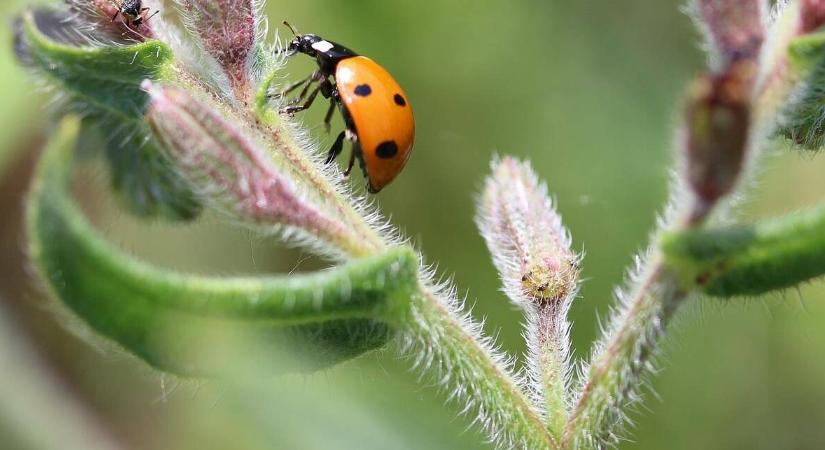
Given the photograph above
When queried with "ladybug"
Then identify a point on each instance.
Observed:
(377, 115)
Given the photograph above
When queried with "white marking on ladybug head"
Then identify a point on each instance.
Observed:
(323, 46)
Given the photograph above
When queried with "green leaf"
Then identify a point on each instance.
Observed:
(196, 325)
(750, 260)
(104, 84)
(105, 77)
(141, 176)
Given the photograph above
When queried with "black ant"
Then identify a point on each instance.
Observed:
(133, 11)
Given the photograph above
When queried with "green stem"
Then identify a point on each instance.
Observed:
(613, 378)
(468, 370)
(750, 260)
(549, 336)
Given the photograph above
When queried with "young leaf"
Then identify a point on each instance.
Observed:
(195, 325)
(104, 84)
(107, 78)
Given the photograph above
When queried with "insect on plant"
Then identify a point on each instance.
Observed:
(378, 118)
(214, 140)
(133, 11)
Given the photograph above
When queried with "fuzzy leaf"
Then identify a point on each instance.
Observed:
(104, 84)
(196, 325)
(107, 78)
(141, 175)
(750, 260)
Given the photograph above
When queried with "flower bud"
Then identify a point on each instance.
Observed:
(531, 250)
(530, 247)
(736, 28)
(227, 31)
(812, 15)
(718, 120)
(229, 165)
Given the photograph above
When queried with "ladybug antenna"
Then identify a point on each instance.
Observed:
(291, 28)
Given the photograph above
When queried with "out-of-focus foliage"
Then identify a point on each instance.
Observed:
(588, 91)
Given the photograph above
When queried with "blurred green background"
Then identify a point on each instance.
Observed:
(587, 90)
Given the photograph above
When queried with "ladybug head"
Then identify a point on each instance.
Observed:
(302, 43)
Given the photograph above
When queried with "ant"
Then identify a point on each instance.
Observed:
(133, 11)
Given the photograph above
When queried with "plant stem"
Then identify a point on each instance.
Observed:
(629, 342)
(752, 259)
(614, 376)
(465, 365)
(549, 347)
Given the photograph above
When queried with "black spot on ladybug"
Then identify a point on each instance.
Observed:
(399, 100)
(386, 149)
(363, 90)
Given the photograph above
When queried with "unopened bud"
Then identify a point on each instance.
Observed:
(232, 168)
(736, 27)
(811, 15)
(718, 120)
(531, 250)
(227, 31)
(530, 247)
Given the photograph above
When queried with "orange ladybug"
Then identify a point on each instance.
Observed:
(378, 116)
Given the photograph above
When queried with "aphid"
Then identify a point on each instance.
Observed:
(133, 11)
(377, 114)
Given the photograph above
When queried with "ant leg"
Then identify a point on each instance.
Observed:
(330, 112)
(153, 14)
(336, 148)
(292, 109)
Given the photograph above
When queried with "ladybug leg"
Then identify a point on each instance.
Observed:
(304, 91)
(316, 76)
(329, 91)
(355, 149)
(328, 117)
(292, 87)
(336, 148)
(292, 109)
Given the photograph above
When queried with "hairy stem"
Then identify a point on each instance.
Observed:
(549, 344)
(447, 345)
(613, 378)
(751, 259)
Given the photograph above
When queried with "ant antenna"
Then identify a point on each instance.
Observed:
(291, 28)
